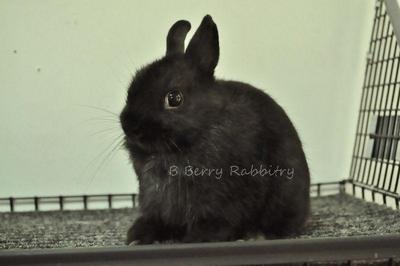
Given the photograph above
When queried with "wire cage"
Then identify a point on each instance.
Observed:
(376, 157)
(374, 177)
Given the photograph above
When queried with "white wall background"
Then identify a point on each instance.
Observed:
(57, 56)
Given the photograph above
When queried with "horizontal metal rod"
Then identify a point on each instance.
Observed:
(375, 189)
(223, 253)
(118, 195)
(70, 196)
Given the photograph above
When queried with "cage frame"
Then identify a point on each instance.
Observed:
(369, 173)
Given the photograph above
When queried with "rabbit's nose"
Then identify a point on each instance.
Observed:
(129, 124)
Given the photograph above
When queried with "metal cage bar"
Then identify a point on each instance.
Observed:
(322, 251)
(11, 204)
(317, 190)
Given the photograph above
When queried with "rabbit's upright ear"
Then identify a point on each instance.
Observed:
(203, 48)
(176, 37)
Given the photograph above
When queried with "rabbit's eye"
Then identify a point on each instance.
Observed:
(173, 99)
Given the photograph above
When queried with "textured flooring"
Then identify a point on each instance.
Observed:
(331, 216)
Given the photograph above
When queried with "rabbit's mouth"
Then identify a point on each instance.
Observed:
(137, 140)
(135, 146)
(143, 144)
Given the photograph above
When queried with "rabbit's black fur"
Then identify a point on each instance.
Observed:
(220, 124)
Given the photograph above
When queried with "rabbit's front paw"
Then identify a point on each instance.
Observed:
(143, 232)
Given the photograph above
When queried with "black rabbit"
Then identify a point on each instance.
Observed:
(201, 148)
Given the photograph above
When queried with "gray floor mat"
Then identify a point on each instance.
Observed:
(332, 216)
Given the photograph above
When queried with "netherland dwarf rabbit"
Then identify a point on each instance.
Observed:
(216, 160)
